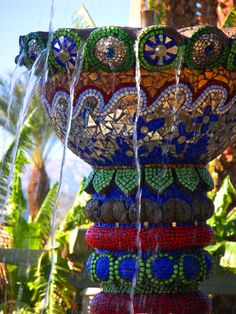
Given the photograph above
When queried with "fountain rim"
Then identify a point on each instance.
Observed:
(186, 33)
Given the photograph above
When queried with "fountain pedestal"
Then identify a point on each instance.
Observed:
(149, 255)
(156, 266)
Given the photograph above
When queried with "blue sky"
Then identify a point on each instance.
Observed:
(20, 17)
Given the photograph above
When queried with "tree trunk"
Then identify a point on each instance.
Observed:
(38, 189)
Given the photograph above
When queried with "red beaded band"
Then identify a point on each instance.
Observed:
(194, 303)
(168, 238)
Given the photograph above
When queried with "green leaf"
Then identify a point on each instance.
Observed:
(19, 256)
(44, 216)
(27, 235)
(73, 234)
(61, 292)
(215, 247)
(25, 142)
(230, 20)
(229, 258)
(223, 198)
(82, 18)
(76, 215)
(231, 215)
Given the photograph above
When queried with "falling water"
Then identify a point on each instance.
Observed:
(178, 70)
(138, 167)
(33, 81)
(18, 72)
(50, 37)
(30, 88)
(175, 109)
(74, 80)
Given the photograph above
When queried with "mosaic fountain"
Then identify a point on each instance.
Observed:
(183, 123)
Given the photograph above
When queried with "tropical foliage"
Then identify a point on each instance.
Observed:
(82, 18)
(224, 224)
(160, 7)
(230, 19)
(28, 280)
(42, 139)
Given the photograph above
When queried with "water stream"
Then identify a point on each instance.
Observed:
(138, 168)
(74, 80)
(175, 115)
(17, 74)
(33, 81)
(36, 76)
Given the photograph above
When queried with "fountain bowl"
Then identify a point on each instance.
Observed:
(178, 85)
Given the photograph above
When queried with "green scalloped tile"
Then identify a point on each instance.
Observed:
(206, 177)
(102, 179)
(188, 178)
(126, 180)
(88, 184)
(159, 178)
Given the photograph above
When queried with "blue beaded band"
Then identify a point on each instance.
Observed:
(164, 268)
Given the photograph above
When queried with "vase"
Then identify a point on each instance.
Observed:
(149, 109)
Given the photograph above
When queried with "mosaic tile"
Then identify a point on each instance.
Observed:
(99, 123)
(158, 179)
(158, 47)
(32, 45)
(65, 50)
(207, 48)
(188, 178)
(102, 179)
(162, 269)
(126, 180)
(110, 49)
(206, 177)
(88, 184)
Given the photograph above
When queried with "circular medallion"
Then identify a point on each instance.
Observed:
(158, 47)
(207, 48)
(208, 263)
(127, 267)
(161, 269)
(110, 49)
(64, 50)
(32, 45)
(191, 268)
(100, 267)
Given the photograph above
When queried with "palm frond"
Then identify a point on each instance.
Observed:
(76, 215)
(44, 217)
(6, 165)
(230, 20)
(61, 292)
(82, 18)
